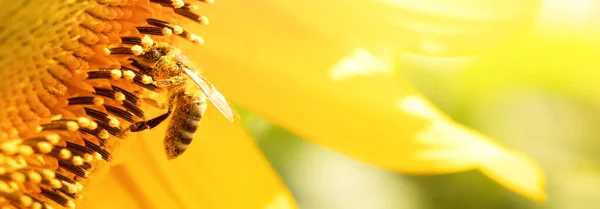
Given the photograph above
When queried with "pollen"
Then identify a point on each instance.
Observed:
(116, 73)
(72, 83)
(129, 75)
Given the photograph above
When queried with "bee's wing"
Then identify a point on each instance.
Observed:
(213, 95)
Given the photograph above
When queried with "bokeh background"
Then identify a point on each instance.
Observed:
(522, 72)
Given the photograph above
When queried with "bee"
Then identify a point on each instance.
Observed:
(187, 95)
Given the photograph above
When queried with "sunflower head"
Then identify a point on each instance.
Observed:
(72, 83)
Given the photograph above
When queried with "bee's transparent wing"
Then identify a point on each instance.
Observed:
(213, 95)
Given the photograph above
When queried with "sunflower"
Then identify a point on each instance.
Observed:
(72, 84)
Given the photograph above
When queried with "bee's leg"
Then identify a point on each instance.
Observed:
(169, 81)
(148, 124)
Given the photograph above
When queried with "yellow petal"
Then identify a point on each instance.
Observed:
(345, 98)
(222, 168)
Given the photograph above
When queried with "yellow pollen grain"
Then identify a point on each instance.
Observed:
(55, 183)
(113, 121)
(77, 160)
(98, 101)
(195, 39)
(129, 75)
(106, 51)
(103, 134)
(53, 138)
(36, 205)
(70, 204)
(14, 185)
(72, 126)
(93, 125)
(64, 154)
(70, 187)
(18, 177)
(25, 150)
(4, 187)
(177, 29)
(38, 129)
(20, 161)
(48, 174)
(178, 4)
(2, 170)
(9, 148)
(79, 186)
(56, 117)
(12, 163)
(25, 200)
(119, 96)
(137, 50)
(147, 41)
(167, 32)
(193, 7)
(115, 73)
(203, 20)
(81, 74)
(88, 158)
(44, 147)
(35, 177)
(146, 79)
(83, 122)
(97, 156)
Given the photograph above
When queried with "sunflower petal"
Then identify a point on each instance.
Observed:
(222, 168)
(349, 100)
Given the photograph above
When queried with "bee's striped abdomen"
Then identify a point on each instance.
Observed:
(189, 109)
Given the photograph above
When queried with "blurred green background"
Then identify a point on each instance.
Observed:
(554, 127)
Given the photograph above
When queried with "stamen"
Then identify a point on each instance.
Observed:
(120, 113)
(133, 109)
(57, 198)
(144, 69)
(131, 40)
(115, 131)
(105, 154)
(156, 31)
(99, 74)
(98, 115)
(105, 92)
(84, 100)
(128, 95)
(121, 51)
(137, 50)
(192, 16)
(78, 171)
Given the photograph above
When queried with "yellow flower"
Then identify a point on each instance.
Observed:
(67, 86)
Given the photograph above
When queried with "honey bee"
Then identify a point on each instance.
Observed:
(187, 94)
